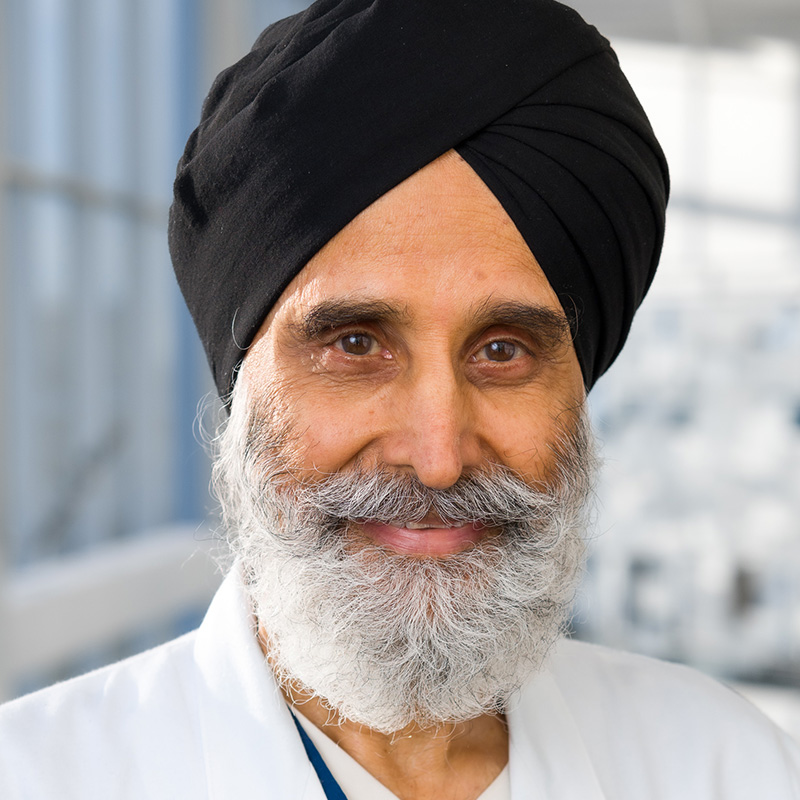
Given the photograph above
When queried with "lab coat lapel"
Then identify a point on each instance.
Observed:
(547, 757)
(251, 747)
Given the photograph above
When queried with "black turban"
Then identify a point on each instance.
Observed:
(338, 104)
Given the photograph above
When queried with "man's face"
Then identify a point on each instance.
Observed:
(405, 471)
(423, 338)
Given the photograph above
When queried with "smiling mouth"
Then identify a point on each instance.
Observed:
(429, 537)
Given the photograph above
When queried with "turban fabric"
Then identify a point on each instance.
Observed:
(338, 104)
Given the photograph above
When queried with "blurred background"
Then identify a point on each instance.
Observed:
(104, 537)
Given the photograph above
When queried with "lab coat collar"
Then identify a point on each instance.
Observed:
(251, 747)
(547, 756)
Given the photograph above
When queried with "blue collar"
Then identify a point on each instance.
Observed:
(332, 789)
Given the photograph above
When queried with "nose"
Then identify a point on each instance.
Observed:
(432, 431)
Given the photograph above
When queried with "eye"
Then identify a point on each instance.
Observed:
(499, 351)
(356, 344)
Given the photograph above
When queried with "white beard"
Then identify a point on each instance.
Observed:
(385, 639)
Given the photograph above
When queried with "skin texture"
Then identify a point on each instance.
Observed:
(425, 338)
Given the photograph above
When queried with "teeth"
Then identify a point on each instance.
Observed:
(421, 526)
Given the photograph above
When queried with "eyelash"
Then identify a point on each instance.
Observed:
(358, 332)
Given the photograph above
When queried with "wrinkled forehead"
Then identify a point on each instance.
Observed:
(432, 264)
(444, 215)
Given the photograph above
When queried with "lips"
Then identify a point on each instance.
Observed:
(429, 537)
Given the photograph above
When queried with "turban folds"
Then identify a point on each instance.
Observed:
(338, 104)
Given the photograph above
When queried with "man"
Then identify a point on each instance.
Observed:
(412, 235)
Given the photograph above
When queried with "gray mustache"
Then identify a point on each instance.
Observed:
(493, 497)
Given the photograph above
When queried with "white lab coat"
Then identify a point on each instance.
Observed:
(201, 717)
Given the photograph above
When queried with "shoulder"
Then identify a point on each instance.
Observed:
(636, 685)
(97, 730)
(598, 668)
(124, 686)
(673, 727)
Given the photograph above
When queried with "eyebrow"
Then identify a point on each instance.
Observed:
(551, 329)
(331, 314)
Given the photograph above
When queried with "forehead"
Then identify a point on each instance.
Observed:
(436, 246)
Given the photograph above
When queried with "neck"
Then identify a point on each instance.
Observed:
(456, 761)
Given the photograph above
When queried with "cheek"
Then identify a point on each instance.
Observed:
(330, 428)
(523, 432)
(328, 424)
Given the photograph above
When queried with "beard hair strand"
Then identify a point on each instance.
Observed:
(385, 639)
